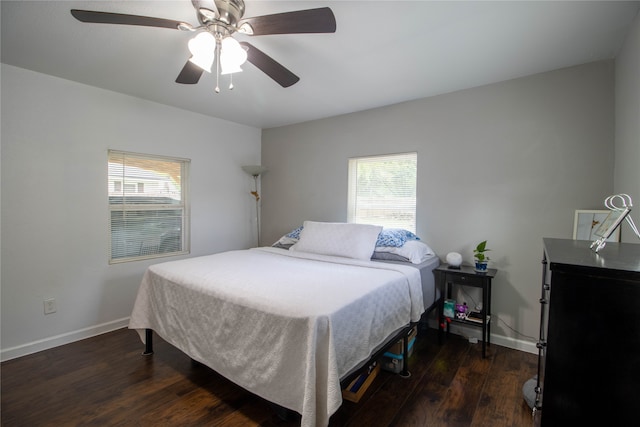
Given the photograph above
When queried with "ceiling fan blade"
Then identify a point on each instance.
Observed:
(190, 74)
(319, 20)
(120, 18)
(269, 66)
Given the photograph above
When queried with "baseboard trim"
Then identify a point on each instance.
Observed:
(62, 339)
(516, 344)
(69, 337)
(501, 340)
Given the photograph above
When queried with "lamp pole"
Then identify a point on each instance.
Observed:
(257, 196)
(255, 171)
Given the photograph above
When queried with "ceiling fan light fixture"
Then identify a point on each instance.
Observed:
(204, 62)
(232, 56)
(219, 19)
(203, 50)
(226, 69)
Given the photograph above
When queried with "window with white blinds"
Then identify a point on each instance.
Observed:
(148, 206)
(382, 190)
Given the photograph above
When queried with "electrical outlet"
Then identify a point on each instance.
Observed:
(50, 306)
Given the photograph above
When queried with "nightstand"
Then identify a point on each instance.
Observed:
(446, 278)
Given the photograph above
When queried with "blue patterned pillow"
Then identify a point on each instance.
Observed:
(395, 237)
(295, 234)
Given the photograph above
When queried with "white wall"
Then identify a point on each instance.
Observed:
(55, 137)
(541, 147)
(508, 162)
(627, 108)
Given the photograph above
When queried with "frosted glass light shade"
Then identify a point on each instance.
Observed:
(203, 49)
(254, 170)
(232, 56)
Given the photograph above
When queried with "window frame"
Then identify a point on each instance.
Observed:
(352, 187)
(183, 205)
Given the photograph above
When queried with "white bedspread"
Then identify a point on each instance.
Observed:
(283, 325)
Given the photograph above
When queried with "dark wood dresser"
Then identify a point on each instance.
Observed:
(589, 348)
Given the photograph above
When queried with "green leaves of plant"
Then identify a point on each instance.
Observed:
(480, 250)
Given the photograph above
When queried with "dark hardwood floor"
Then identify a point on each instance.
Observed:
(106, 381)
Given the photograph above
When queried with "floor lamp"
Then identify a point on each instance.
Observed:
(255, 171)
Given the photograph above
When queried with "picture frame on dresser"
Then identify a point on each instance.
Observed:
(611, 225)
(587, 222)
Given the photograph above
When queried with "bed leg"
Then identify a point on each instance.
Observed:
(405, 359)
(148, 342)
(285, 414)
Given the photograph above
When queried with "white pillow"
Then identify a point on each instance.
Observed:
(338, 239)
(413, 250)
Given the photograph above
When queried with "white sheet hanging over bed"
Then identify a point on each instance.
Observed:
(283, 325)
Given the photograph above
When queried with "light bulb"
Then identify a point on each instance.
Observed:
(232, 56)
(203, 49)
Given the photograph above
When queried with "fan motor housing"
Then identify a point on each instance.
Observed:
(229, 13)
(230, 10)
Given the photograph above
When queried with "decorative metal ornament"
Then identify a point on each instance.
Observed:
(620, 206)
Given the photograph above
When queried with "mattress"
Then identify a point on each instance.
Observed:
(430, 292)
(284, 325)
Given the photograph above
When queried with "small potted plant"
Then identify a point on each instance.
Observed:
(480, 258)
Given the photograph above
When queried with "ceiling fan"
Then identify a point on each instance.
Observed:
(219, 20)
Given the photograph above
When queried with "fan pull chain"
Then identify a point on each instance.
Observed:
(217, 89)
(231, 81)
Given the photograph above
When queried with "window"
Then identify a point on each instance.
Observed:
(382, 190)
(148, 206)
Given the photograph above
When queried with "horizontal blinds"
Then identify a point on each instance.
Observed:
(383, 190)
(148, 215)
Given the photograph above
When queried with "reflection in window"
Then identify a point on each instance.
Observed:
(148, 206)
(382, 190)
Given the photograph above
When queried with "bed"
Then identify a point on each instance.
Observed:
(287, 324)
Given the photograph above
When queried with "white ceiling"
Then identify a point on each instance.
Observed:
(382, 53)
